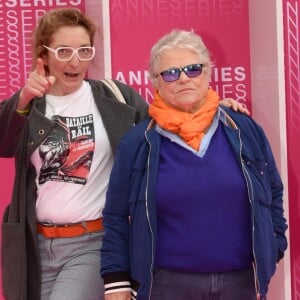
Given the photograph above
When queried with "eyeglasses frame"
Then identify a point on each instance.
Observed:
(184, 69)
(75, 51)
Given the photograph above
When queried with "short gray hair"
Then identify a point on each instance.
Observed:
(182, 39)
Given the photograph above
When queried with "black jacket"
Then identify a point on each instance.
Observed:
(19, 137)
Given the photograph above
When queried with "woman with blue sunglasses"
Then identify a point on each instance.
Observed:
(194, 207)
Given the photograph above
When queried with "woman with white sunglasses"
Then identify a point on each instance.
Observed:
(62, 130)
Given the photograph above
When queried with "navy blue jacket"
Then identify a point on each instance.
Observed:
(129, 244)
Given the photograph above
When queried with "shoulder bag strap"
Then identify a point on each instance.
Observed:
(114, 88)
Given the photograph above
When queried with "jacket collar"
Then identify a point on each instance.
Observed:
(226, 119)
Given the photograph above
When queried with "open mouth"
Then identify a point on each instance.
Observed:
(72, 75)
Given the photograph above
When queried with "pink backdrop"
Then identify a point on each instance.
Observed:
(223, 25)
(134, 26)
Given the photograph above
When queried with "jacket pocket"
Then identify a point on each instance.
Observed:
(258, 172)
(11, 261)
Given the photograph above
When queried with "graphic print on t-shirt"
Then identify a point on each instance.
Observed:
(68, 150)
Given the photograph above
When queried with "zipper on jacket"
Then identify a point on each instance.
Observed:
(250, 195)
(147, 213)
(249, 184)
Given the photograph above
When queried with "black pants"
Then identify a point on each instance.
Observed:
(235, 285)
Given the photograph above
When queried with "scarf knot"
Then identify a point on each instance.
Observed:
(190, 127)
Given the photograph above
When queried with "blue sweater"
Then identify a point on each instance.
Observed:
(201, 211)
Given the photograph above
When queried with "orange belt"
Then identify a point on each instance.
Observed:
(69, 230)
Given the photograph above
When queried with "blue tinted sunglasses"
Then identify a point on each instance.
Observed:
(170, 75)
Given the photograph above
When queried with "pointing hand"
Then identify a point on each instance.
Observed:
(36, 86)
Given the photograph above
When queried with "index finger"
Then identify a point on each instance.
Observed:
(40, 67)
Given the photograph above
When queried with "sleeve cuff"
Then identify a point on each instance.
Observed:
(117, 282)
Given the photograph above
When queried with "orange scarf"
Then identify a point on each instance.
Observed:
(189, 126)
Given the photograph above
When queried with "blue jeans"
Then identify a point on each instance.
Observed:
(235, 285)
(71, 267)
